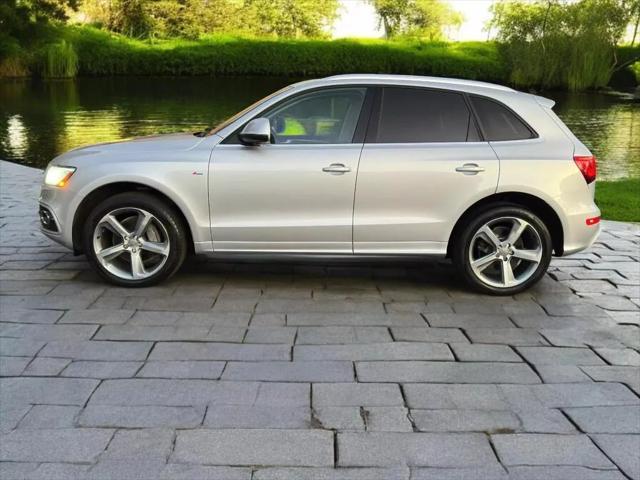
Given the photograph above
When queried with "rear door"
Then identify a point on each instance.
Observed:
(422, 165)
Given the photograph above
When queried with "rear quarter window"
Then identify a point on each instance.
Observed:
(499, 123)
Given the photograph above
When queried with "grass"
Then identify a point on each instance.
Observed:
(66, 51)
(103, 53)
(619, 199)
(60, 61)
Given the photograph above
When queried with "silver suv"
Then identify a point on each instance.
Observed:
(351, 165)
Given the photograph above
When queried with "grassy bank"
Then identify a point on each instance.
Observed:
(102, 53)
(67, 51)
(619, 200)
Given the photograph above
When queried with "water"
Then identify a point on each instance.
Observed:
(41, 119)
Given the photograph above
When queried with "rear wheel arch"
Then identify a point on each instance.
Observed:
(535, 204)
(105, 191)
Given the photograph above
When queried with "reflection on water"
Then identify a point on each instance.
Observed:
(609, 125)
(39, 120)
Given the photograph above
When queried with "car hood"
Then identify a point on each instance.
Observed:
(164, 143)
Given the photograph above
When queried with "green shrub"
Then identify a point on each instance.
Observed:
(101, 53)
(85, 50)
(12, 58)
(60, 60)
(565, 44)
(635, 68)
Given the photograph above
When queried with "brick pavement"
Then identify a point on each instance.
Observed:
(291, 371)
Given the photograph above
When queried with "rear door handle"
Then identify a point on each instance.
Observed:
(336, 168)
(470, 169)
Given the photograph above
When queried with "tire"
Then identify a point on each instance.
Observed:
(484, 261)
(146, 237)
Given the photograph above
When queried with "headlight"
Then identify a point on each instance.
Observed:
(58, 176)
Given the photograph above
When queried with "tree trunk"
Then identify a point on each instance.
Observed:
(387, 28)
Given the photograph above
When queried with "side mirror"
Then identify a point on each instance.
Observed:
(256, 132)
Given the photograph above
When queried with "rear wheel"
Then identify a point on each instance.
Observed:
(504, 250)
(135, 239)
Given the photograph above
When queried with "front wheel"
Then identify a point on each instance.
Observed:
(135, 239)
(504, 250)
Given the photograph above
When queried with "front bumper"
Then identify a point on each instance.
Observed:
(55, 201)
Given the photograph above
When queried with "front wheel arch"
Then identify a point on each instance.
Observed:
(537, 206)
(105, 191)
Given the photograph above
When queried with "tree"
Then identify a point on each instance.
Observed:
(552, 43)
(192, 18)
(163, 18)
(290, 18)
(129, 17)
(19, 17)
(634, 11)
(423, 18)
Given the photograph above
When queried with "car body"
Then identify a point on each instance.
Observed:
(363, 165)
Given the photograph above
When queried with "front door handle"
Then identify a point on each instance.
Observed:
(470, 169)
(336, 168)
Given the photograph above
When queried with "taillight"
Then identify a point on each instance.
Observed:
(587, 166)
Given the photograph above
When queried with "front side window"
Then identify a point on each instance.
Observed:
(322, 117)
(416, 115)
(233, 118)
(498, 122)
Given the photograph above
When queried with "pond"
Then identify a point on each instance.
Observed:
(41, 119)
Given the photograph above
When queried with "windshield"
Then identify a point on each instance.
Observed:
(233, 118)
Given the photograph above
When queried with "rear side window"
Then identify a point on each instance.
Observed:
(414, 115)
(498, 122)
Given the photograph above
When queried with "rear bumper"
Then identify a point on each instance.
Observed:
(577, 234)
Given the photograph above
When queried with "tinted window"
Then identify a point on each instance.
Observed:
(327, 116)
(414, 115)
(498, 122)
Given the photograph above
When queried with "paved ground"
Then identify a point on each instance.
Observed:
(313, 372)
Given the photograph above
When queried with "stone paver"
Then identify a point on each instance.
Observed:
(606, 419)
(533, 449)
(261, 416)
(255, 447)
(57, 445)
(148, 416)
(623, 451)
(416, 449)
(239, 371)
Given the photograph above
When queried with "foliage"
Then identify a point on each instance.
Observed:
(190, 18)
(193, 18)
(420, 18)
(23, 20)
(60, 61)
(290, 18)
(129, 17)
(635, 68)
(11, 63)
(619, 199)
(161, 18)
(100, 53)
(557, 43)
(634, 12)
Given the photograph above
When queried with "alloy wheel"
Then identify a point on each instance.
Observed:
(505, 252)
(131, 243)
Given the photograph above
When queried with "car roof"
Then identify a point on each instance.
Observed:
(415, 80)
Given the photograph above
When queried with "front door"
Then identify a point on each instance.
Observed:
(422, 165)
(295, 194)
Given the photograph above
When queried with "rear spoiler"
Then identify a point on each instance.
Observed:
(545, 102)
